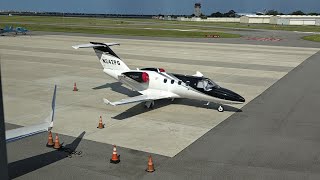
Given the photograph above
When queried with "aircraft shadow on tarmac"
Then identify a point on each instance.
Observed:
(24, 166)
(140, 108)
(117, 87)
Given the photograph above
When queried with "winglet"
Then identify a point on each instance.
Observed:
(23, 132)
(53, 105)
(106, 101)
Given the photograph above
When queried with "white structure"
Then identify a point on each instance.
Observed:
(169, 18)
(255, 19)
(197, 9)
(209, 19)
(295, 20)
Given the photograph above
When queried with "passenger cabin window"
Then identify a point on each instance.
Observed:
(172, 81)
(165, 80)
(179, 82)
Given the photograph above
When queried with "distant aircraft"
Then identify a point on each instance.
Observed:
(7, 30)
(16, 30)
(264, 12)
(23, 132)
(21, 30)
(155, 83)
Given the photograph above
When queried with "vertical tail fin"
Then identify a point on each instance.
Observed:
(108, 59)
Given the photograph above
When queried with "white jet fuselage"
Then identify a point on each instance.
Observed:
(162, 83)
(155, 83)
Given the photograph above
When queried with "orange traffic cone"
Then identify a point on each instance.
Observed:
(50, 140)
(115, 158)
(150, 167)
(100, 126)
(75, 87)
(57, 144)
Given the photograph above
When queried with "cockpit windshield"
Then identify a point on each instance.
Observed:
(207, 84)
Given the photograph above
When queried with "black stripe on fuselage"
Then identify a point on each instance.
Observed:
(217, 92)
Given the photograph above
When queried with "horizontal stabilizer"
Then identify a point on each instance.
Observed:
(94, 44)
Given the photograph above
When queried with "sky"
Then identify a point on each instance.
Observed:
(159, 6)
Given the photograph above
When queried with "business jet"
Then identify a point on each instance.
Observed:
(21, 30)
(155, 83)
(45, 125)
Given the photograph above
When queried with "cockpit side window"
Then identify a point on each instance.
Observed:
(207, 84)
(200, 84)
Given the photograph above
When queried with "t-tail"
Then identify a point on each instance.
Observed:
(110, 61)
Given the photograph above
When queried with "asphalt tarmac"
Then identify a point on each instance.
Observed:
(287, 38)
(273, 137)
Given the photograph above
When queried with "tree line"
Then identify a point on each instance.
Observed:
(299, 12)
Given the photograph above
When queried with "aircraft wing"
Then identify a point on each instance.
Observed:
(131, 83)
(141, 98)
(46, 125)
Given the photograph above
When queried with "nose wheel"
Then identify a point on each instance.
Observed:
(149, 104)
(220, 109)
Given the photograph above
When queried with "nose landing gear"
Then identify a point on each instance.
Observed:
(220, 109)
(149, 104)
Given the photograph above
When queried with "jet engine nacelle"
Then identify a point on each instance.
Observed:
(141, 77)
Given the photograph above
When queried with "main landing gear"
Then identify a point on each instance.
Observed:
(149, 104)
(220, 109)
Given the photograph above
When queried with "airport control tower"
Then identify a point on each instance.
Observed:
(197, 9)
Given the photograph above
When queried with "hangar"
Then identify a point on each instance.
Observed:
(255, 19)
(295, 20)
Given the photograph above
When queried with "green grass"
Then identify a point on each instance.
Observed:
(134, 23)
(61, 20)
(123, 31)
(236, 25)
(315, 38)
(112, 26)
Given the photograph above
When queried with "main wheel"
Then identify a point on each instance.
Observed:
(220, 109)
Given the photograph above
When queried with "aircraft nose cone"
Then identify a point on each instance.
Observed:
(227, 94)
(241, 99)
(236, 97)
